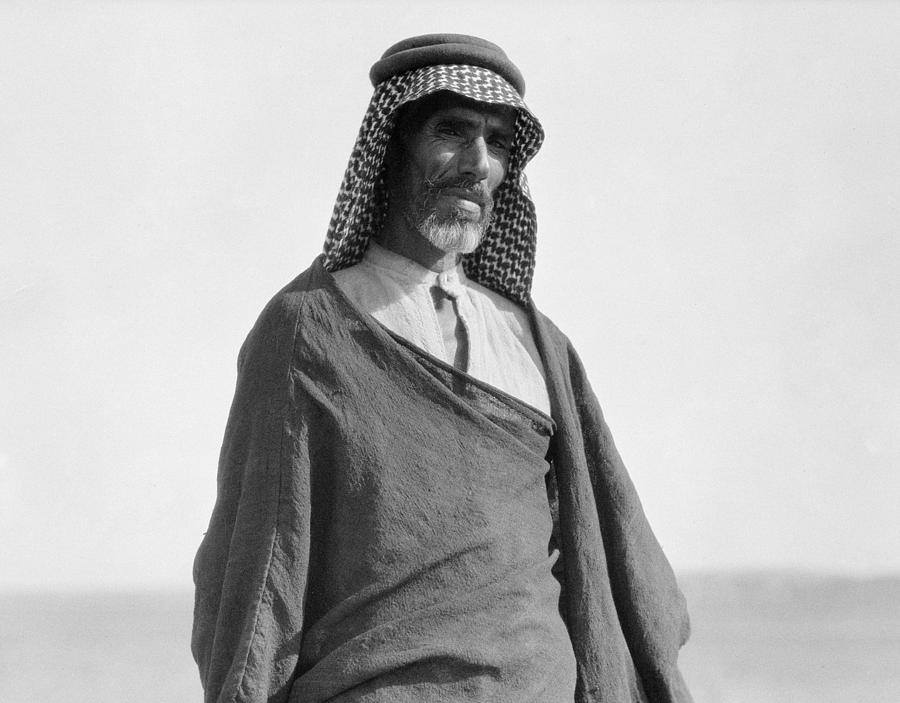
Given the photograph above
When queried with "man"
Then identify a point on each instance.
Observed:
(418, 497)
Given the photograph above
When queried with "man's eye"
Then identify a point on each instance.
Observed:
(499, 144)
(447, 130)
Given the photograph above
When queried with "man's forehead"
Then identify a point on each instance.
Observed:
(496, 116)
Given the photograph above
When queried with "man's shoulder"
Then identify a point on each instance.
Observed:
(307, 297)
(313, 289)
(548, 329)
(293, 296)
(558, 347)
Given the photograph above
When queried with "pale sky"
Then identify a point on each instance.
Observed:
(719, 234)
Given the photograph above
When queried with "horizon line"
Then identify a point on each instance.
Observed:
(687, 574)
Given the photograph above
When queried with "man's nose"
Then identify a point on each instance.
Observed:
(474, 162)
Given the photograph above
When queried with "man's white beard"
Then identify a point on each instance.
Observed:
(455, 234)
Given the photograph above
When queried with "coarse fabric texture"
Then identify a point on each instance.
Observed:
(625, 616)
(504, 261)
(397, 292)
(443, 587)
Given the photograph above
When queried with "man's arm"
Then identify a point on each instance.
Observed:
(650, 606)
(250, 570)
(626, 616)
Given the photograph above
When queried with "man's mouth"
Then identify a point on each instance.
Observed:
(458, 199)
(471, 200)
(463, 199)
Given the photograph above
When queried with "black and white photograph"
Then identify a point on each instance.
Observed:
(385, 352)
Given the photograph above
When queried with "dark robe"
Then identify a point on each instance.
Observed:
(323, 394)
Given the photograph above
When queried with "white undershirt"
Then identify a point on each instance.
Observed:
(501, 350)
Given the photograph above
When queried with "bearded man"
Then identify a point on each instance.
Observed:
(418, 497)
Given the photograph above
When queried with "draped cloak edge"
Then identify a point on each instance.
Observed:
(621, 604)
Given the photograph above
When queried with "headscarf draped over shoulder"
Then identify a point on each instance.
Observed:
(410, 70)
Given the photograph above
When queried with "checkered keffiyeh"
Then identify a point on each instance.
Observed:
(504, 262)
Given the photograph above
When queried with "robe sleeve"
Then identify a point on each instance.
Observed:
(251, 568)
(626, 616)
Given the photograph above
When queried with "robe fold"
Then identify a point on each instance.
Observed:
(324, 394)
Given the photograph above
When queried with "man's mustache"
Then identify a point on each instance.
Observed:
(476, 190)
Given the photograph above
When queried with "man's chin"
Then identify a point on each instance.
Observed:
(455, 236)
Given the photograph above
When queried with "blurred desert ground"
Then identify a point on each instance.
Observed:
(758, 638)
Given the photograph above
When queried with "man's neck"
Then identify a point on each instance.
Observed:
(399, 237)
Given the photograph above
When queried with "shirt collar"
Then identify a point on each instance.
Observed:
(409, 271)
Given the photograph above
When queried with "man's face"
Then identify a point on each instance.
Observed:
(454, 158)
